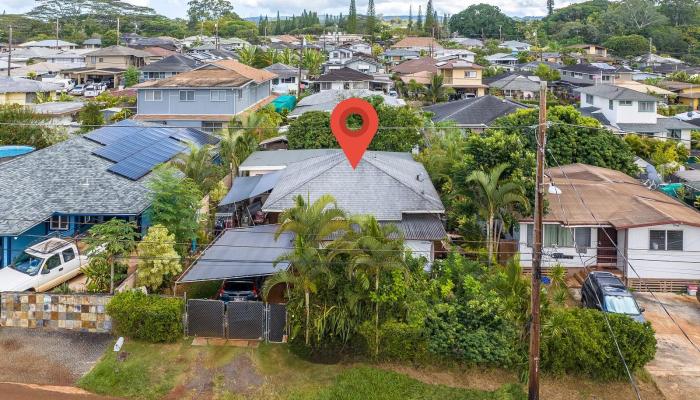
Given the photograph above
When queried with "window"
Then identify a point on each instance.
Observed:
(93, 60)
(606, 78)
(560, 236)
(218, 95)
(291, 79)
(211, 127)
(589, 98)
(325, 86)
(240, 94)
(102, 59)
(665, 240)
(674, 133)
(68, 255)
(611, 104)
(153, 95)
(591, 77)
(625, 102)
(186, 95)
(52, 262)
(647, 106)
(58, 223)
(470, 74)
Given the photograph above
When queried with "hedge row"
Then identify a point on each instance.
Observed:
(146, 317)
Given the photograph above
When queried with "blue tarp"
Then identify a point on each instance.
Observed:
(247, 187)
(284, 102)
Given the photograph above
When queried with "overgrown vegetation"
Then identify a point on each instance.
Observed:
(145, 317)
(22, 126)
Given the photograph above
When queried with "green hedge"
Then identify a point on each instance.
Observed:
(151, 318)
(578, 341)
(398, 341)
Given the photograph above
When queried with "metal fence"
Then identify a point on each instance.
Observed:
(246, 320)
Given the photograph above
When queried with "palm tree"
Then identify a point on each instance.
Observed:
(269, 57)
(288, 57)
(235, 146)
(198, 166)
(248, 55)
(373, 250)
(437, 91)
(415, 88)
(311, 223)
(496, 197)
(260, 124)
(312, 61)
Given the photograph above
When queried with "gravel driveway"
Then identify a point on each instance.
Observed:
(676, 367)
(48, 357)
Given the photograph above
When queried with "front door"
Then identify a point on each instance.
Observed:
(607, 252)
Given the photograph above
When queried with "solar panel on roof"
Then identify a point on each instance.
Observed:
(194, 136)
(130, 144)
(142, 162)
(112, 133)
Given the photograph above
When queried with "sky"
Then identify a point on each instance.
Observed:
(254, 8)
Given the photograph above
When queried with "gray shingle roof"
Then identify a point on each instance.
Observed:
(479, 111)
(616, 93)
(343, 74)
(516, 82)
(385, 185)
(173, 63)
(20, 85)
(65, 178)
(326, 100)
(662, 125)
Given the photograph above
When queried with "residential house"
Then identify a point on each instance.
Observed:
(66, 188)
(287, 80)
(359, 47)
(533, 65)
(686, 93)
(476, 114)
(41, 70)
(206, 97)
(92, 43)
(158, 53)
(651, 60)
(109, 64)
(165, 43)
(516, 86)
(233, 43)
(468, 43)
(645, 88)
(363, 64)
(326, 100)
(591, 52)
(515, 46)
(24, 91)
(397, 56)
(340, 37)
(347, 78)
(503, 60)
(49, 44)
(167, 67)
(420, 70)
(460, 54)
(339, 56)
(591, 74)
(550, 57)
(288, 39)
(428, 45)
(62, 113)
(629, 111)
(601, 218)
(462, 76)
(272, 179)
(206, 56)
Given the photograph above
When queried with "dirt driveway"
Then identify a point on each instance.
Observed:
(48, 357)
(676, 368)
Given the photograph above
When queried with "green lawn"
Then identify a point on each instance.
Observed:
(178, 371)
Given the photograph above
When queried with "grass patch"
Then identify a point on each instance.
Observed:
(149, 371)
(365, 383)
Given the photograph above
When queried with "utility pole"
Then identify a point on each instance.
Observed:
(216, 26)
(118, 34)
(500, 36)
(9, 55)
(301, 61)
(534, 378)
(56, 33)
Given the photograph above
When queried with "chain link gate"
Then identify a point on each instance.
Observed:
(245, 319)
(206, 318)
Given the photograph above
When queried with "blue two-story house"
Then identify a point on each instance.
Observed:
(64, 189)
(206, 97)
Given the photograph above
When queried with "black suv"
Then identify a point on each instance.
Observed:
(606, 292)
(239, 290)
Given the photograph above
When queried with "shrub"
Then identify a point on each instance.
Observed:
(398, 341)
(146, 317)
(578, 341)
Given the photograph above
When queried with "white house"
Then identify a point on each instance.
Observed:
(603, 218)
(515, 46)
(630, 111)
(503, 60)
(462, 54)
(339, 56)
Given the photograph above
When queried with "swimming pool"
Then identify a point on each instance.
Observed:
(14, 151)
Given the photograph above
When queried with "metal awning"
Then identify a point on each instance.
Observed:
(247, 187)
(241, 253)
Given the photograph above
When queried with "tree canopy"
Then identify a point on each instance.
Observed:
(482, 20)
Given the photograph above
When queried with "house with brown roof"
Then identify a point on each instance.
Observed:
(462, 76)
(420, 70)
(419, 43)
(109, 64)
(602, 218)
(206, 97)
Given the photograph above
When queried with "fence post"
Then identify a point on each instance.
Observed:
(184, 317)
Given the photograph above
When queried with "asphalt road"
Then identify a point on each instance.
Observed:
(17, 391)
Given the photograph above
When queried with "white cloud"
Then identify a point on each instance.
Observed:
(253, 8)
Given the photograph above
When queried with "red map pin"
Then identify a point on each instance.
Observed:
(354, 142)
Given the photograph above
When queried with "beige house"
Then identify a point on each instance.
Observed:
(591, 51)
(109, 63)
(24, 91)
(463, 76)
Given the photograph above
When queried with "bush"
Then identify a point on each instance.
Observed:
(578, 341)
(398, 341)
(146, 317)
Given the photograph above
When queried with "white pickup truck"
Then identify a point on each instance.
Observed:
(42, 267)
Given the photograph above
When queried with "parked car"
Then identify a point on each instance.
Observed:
(78, 90)
(92, 90)
(42, 267)
(606, 292)
(239, 290)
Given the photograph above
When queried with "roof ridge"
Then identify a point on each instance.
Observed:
(312, 176)
(423, 194)
(466, 105)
